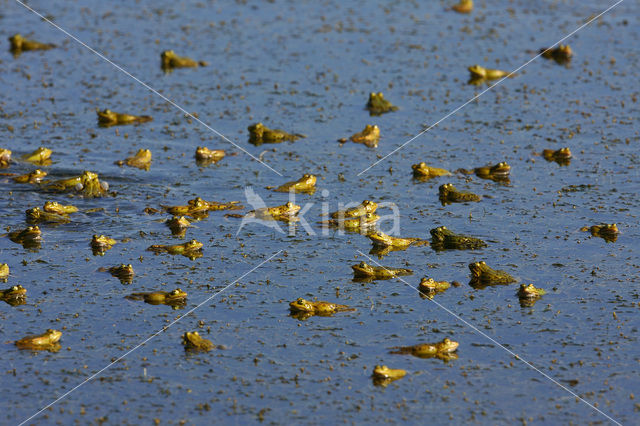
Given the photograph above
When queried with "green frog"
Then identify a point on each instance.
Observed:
(497, 172)
(191, 249)
(364, 270)
(357, 224)
(378, 105)
(30, 237)
(430, 286)
(107, 118)
(205, 156)
(561, 156)
(5, 157)
(561, 54)
(101, 243)
(14, 295)
(423, 172)
(607, 231)
(192, 341)
(450, 194)
(178, 225)
(285, 213)
(176, 298)
(530, 292)
(47, 341)
(486, 73)
(21, 44)
(55, 207)
(33, 177)
(307, 308)
(86, 184)
(259, 134)
(35, 215)
(379, 238)
(383, 375)
(4, 272)
(169, 61)
(199, 208)
(141, 160)
(360, 210)
(464, 6)
(370, 136)
(123, 272)
(307, 184)
(443, 238)
(482, 275)
(428, 350)
(41, 156)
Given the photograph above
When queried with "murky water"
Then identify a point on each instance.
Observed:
(308, 68)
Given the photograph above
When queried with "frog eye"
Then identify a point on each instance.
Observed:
(289, 204)
(446, 340)
(363, 265)
(306, 176)
(129, 266)
(15, 288)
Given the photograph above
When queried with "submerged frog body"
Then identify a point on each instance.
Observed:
(378, 105)
(450, 194)
(21, 44)
(107, 118)
(607, 231)
(379, 238)
(55, 207)
(259, 134)
(5, 157)
(141, 160)
(40, 156)
(424, 172)
(33, 177)
(431, 286)
(307, 307)
(307, 183)
(101, 243)
(35, 215)
(175, 298)
(4, 272)
(561, 156)
(529, 295)
(428, 350)
(206, 156)
(383, 375)
(286, 212)
(191, 249)
(123, 272)
(178, 225)
(464, 6)
(30, 237)
(356, 224)
(86, 184)
(192, 341)
(364, 270)
(497, 172)
(561, 54)
(444, 239)
(14, 295)
(360, 210)
(486, 73)
(482, 275)
(370, 136)
(47, 341)
(169, 61)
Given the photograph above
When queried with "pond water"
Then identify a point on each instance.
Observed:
(308, 67)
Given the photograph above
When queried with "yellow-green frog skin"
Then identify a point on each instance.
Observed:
(192, 341)
(178, 225)
(191, 249)
(208, 156)
(55, 207)
(141, 160)
(14, 295)
(307, 183)
(285, 212)
(199, 208)
(379, 238)
(530, 292)
(498, 171)
(123, 272)
(427, 350)
(356, 224)
(4, 271)
(378, 105)
(424, 172)
(561, 54)
(169, 60)
(31, 234)
(174, 297)
(21, 44)
(464, 6)
(370, 136)
(561, 156)
(107, 118)
(362, 209)
(86, 184)
(443, 238)
(483, 275)
(319, 307)
(5, 157)
(429, 285)
(40, 156)
(33, 177)
(448, 193)
(35, 215)
(364, 270)
(47, 341)
(102, 243)
(486, 73)
(259, 134)
(382, 374)
(607, 231)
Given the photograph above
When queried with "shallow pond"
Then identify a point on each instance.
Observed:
(308, 67)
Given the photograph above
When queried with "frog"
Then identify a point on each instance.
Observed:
(47, 341)
(285, 212)
(486, 73)
(21, 44)
(450, 194)
(428, 350)
(175, 298)
(199, 208)
(5, 157)
(378, 105)
(530, 292)
(33, 177)
(4, 272)
(107, 118)
(86, 184)
(360, 210)
(192, 341)
(320, 308)
(364, 270)
(383, 375)
(561, 156)
(29, 237)
(141, 160)
(178, 225)
(497, 172)
(169, 61)
(464, 6)
(607, 231)
(191, 249)
(430, 286)
(443, 238)
(41, 156)
(482, 275)
(423, 172)
(259, 134)
(357, 224)
(14, 295)
(561, 54)
(123, 272)
(55, 207)
(379, 238)
(370, 136)
(205, 156)
(101, 243)
(307, 184)
(36, 215)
